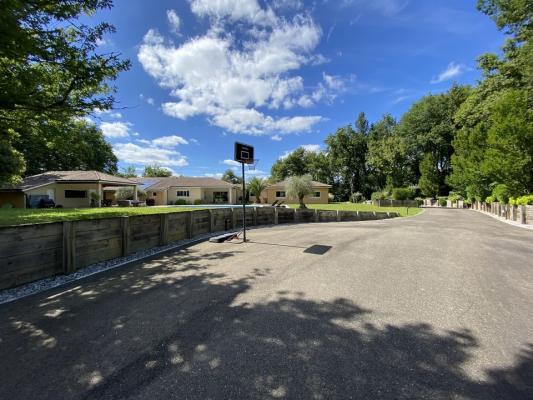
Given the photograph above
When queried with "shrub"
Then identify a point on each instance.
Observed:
(402, 194)
(298, 187)
(501, 193)
(442, 201)
(180, 202)
(489, 200)
(197, 201)
(357, 197)
(126, 193)
(525, 200)
(378, 196)
(453, 197)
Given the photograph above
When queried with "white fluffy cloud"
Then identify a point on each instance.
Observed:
(453, 70)
(308, 147)
(169, 141)
(174, 21)
(233, 79)
(134, 154)
(115, 129)
(231, 163)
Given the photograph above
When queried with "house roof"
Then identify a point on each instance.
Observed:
(46, 178)
(283, 184)
(181, 181)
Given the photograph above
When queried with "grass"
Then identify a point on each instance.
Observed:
(404, 211)
(17, 216)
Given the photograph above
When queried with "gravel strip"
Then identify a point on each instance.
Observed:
(9, 295)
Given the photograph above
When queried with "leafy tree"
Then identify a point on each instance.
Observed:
(50, 69)
(256, 186)
(49, 145)
(128, 172)
(299, 187)
(156, 170)
(347, 149)
(229, 176)
(429, 176)
(294, 163)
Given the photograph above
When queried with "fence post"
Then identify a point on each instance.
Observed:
(254, 216)
(233, 218)
(276, 220)
(523, 215)
(211, 220)
(163, 230)
(68, 247)
(338, 216)
(125, 226)
(316, 215)
(190, 223)
(297, 215)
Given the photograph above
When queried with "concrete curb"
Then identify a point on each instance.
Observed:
(507, 221)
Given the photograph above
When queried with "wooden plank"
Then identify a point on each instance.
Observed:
(98, 256)
(26, 232)
(98, 245)
(68, 247)
(163, 231)
(125, 223)
(32, 261)
(30, 246)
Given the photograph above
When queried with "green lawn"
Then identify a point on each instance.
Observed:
(16, 216)
(404, 211)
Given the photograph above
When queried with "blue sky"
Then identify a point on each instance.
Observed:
(276, 74)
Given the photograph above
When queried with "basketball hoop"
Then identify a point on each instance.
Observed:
(253, 165)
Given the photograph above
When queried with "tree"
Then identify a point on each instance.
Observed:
(294, 163)
(229, 176)
(49, 145)
(50, 69)
(156, 171)
(256, 186)
(429, 182)
(299, 187)
(128, 172)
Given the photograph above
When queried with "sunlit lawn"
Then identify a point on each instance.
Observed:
(404, 211)
(17, 216)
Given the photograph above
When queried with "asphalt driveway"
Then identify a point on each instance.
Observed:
(438, 306)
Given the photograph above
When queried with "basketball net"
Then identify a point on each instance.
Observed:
(252, 166)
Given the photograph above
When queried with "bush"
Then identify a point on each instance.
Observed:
(180, 202)
(402, 194)
(378, 196)
(198, 201)
(501, 193)
(489, 200)
(126, 193)
(441, 200)
(357, 197)
(524, 200)
(454, 197)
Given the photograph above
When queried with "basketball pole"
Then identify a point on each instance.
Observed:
(243, 205)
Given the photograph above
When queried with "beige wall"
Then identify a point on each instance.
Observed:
(195, 193)
(160, 198)
(58, 192)
(270, 195)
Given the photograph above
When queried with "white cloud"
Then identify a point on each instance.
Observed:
(174, 21)
(169, 141)
(135, 154)
(115, 129)
(276, 138)
(217, 175)
(194, 141)
(453, 70)
(231, 163)
(251, 67)
(107, 113)
(315, 148)
(388, 8)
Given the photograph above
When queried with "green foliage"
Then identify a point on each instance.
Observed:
(156, 171)
(128, 172)
(50, 74)
(454, 197)
(357, 197)
(197, 201)
(230, 177)
(524, 200)
(378, 196)
(442, 201)
(256, 186)
(402, 194)
(429, 181)
(298, 187)
(501, 193)
(180, 202)
(490, 199)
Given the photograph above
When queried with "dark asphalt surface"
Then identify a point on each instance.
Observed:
(438, 306)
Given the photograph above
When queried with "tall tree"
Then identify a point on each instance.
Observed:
(50, 67)
(156, 171)
(429, 176)
(229, 176)
(128, 172)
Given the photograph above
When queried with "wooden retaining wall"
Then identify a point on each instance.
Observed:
(32, 252)
(521, 214)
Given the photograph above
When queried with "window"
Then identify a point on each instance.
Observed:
(155, 194)
(280, 194)
(182, 193)
(75, 194)
(316, 194)
(220, 197)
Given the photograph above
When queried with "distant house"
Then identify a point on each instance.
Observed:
(70, 189)
(277, 192)
(189, 189)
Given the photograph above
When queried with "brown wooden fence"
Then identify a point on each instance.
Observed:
(31, 252)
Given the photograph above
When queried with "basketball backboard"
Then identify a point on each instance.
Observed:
(244, 153)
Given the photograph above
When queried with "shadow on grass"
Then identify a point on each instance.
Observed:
(173, 328)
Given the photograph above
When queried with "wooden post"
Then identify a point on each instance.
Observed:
(190, 224)
(316, 215)
(233, 218)
(522, 214)
(163, 230)
(69, 246)
(254, 216)
(125, 226)
(276, 219)
(297, 215)
(338, 216)
(211, 220)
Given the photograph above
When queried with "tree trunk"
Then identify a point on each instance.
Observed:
(301, 200)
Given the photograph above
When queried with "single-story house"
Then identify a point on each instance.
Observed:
(69, 189)
(190, 189)
(277, 192)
